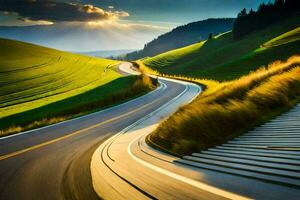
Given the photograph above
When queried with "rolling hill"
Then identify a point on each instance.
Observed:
(225, 58)
(39, 83)
(183, 36)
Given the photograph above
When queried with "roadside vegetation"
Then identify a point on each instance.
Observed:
(41, 86)
(225, 58)
(242, 90)
(227, 109)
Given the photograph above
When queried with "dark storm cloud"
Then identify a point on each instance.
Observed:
(56, 11)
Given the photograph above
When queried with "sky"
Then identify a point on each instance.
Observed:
(90, 25)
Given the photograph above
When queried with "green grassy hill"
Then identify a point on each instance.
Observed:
(32, 76)
(291, 36)
(182, 36)
(224, 58)
(39, 83)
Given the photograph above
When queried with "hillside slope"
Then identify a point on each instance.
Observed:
(42, 86)
(227, 109)
(32, 76)
(183, 36)
(225, 58)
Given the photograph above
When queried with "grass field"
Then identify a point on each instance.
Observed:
(224, 58)
(288, 37)
(230, 108)
(41, 85)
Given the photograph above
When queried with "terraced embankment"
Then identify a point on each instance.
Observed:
(270, 152)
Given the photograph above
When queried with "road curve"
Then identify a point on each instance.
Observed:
(125, 167)
(54, 162)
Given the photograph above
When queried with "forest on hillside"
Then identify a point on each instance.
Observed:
(266, 15)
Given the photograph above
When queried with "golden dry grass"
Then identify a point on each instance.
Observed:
(228, 109)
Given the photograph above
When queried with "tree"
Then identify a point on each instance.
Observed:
(279, 4)
(243, 13)
(251, 12)
(262, 8)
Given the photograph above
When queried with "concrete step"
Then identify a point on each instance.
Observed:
(246, 167)
(270, 152)
(252, 156)
(264, 146)
(293, 115)
(264, 142)
(286, 120)
(293, 154)
(289, 114)
(245, 173)
(270, 136)
(282, 131)
(257, 154)
(277, 144)
(267, 139)
(268, 132)
(270, 165)
(279, 128)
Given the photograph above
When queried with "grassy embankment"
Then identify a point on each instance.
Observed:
(41, 86)
(230, 108)
(223, 58)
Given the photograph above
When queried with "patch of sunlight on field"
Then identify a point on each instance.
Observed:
(291, 36)
(174, 56)
(33, 76)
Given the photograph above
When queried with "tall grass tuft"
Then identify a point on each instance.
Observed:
(226, 110)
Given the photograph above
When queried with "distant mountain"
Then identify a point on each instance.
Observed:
(107, 54)
(183, 36)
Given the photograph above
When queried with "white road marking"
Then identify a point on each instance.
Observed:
(184, 179)
(178, 177)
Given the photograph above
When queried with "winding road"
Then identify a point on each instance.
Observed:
(105, 154)
(54, 162)
(267, 159)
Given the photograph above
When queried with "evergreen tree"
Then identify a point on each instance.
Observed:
(266, 15)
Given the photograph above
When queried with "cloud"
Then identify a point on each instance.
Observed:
(57, 11)
(123, 26)
(81, 36)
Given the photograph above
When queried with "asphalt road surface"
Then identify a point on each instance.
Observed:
(54, 162)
